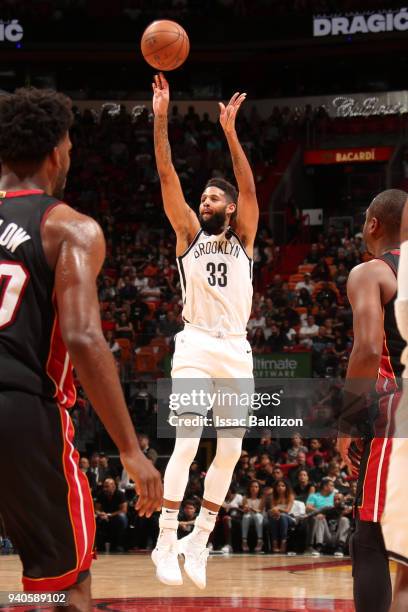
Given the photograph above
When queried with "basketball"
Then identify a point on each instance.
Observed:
(165, 45)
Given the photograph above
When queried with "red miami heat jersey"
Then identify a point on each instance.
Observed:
(391, 367)
(33, 357)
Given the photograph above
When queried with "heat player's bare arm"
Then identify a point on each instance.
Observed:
(75, 248)
(370, 286)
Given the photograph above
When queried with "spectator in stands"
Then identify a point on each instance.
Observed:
(140, 281)
(332, 527)
(268, 445)
(323, 498)
(264, 468)
(113, 345)
(187, 517)
(151, 293)
(340, 344)
(108, 323)
(289, 334)
(277, 474)
(341, 275)
(321, 272)
(295, 448)
(276, 340)
(303, 487)
(170, 326)
(95, 468)
(258, 342)
(306, 283)
(315, 447)
(278, 508)
(252, 508)
(269, 323)
(144, 442)
(128, 291)
(105, 469)
(308, 332)
(195, 489)
(257, 319)
(84, 466)
(323, 340)
(107, 291)
(326, 293)
(111, 518)
(231, 516)
(300, 465)
(339, 479)
(124, 328)
(304, 298)
(275, 289)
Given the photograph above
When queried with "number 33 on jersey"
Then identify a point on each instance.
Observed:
(216, 280)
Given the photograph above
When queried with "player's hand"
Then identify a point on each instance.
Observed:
(148, 483)
(161, 94)
(228, 113)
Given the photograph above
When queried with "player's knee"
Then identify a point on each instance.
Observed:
(228, 452)
(186, 445)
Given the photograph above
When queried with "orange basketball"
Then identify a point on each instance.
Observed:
(165, 45)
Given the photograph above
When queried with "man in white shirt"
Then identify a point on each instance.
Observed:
(308, 331)
(258, 320)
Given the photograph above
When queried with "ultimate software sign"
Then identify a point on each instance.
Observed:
(361, 23)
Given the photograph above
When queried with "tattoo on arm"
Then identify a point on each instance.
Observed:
(236, 162)
(161, 142)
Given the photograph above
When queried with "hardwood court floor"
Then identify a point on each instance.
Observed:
(245, 582)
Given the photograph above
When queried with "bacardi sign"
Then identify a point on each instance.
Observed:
(346, 156)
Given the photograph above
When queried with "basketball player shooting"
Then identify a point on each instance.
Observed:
(50, 256)
(214, 255)
(394, 519)
(374, 367)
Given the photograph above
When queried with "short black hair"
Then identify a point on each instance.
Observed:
(228, 188)
(32, 122)
(387, 207)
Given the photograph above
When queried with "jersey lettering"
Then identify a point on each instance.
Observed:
(13, 236)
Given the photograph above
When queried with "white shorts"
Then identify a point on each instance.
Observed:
(222, 366)
(395, 517)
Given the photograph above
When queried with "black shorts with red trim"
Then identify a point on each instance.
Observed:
(373, 471)
(46, 502)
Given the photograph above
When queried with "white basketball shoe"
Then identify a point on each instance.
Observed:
(165, 558)
(195, 559)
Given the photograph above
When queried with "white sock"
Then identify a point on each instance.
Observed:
(204, 525)
(169, 518)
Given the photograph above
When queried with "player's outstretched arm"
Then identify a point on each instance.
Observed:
(248, 211)
(182, 218)
(79, 258)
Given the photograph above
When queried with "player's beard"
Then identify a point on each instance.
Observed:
(215, 224)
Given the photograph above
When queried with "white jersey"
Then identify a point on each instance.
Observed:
(216, 280)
